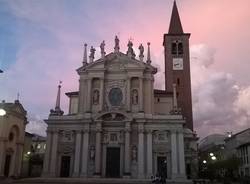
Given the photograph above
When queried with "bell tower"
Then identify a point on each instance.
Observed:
(177, 65)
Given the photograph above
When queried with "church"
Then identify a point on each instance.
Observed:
(118, 125)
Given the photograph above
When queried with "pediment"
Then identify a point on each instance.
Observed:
(115, 62)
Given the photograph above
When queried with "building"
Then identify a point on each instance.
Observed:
(12, 126)
(33, 155)
(238, 145)
(118, 125)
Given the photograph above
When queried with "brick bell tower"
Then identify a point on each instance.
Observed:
(177, 65)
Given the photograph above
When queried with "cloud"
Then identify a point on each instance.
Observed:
(219, 104)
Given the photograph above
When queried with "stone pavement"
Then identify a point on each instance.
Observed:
(84, 181)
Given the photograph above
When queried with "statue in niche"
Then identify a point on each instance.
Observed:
(92, 153)
(96, 97)
(134, 97)
(134, 153)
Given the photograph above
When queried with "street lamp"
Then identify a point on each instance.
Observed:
(2, 112)
(204, 161)
(213, 158)
(211, 154)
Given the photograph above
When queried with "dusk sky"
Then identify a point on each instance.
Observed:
(41, 43)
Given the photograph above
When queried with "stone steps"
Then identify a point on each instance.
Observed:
(91, 181)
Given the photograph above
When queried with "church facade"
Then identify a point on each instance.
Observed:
(118, 125)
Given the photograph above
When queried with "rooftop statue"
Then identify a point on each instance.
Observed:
(92, 54)
(141, 48)
(117, 47)
(102, 47)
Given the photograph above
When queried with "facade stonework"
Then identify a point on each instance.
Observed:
(118, 125)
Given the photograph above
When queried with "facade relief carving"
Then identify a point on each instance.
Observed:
(161, 137)
(66, 136)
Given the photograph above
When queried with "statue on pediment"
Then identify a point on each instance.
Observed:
(117, 47)
(102, 47)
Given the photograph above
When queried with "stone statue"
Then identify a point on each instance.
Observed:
(134, 153)
(117, 47)
(96, 96)
(102, 47)
(92, 152)
(92, 54)
(134, 97)
(130, 51)
(141, 48)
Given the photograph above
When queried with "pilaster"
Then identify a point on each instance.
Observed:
(53, 161)
(140, 150)
(89, 96)
(98, 149)
(129, 94)
(149, 154)
(141, 95)
(46, 161)
(101, 93)
(77, 153)
(85, 151)
(127, 149)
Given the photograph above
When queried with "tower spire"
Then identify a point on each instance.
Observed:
(175, 26)
(57, 110)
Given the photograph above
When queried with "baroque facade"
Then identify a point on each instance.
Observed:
(118, 125)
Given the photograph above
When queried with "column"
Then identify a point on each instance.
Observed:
(2, 159)
(149, 154)
(13, 163)
(127, 149)
(82, 93)
(19, 159)
(174, 154)
(47, 154)
(101, 93)
(85, 151)
(141, 95)
(98, 150)
(77, 154)
(53, 161)
(140, 151)
(181, 155)
(89, 96)
(128, 94)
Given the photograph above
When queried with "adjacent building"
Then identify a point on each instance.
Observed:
(12, 133)
(118, 125)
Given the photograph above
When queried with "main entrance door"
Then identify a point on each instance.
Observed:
(162, 166)
(113, 162)
(65, 166)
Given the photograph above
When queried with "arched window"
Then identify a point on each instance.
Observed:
(174, 48)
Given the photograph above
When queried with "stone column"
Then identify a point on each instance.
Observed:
(89, 95)
(101, 93)
(98, 150)
(53, 161)
(128, 94)
(82, 94)
(46, 160)
(127, 149)
(19, 159)
(2, 157)
(85, 151)
(141, 95)
(77, 154)
(174, 154)
(140, 150)
(181, 155)
(149, 154)
(13, 163)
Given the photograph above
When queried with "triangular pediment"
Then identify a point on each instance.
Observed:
(116, 62)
